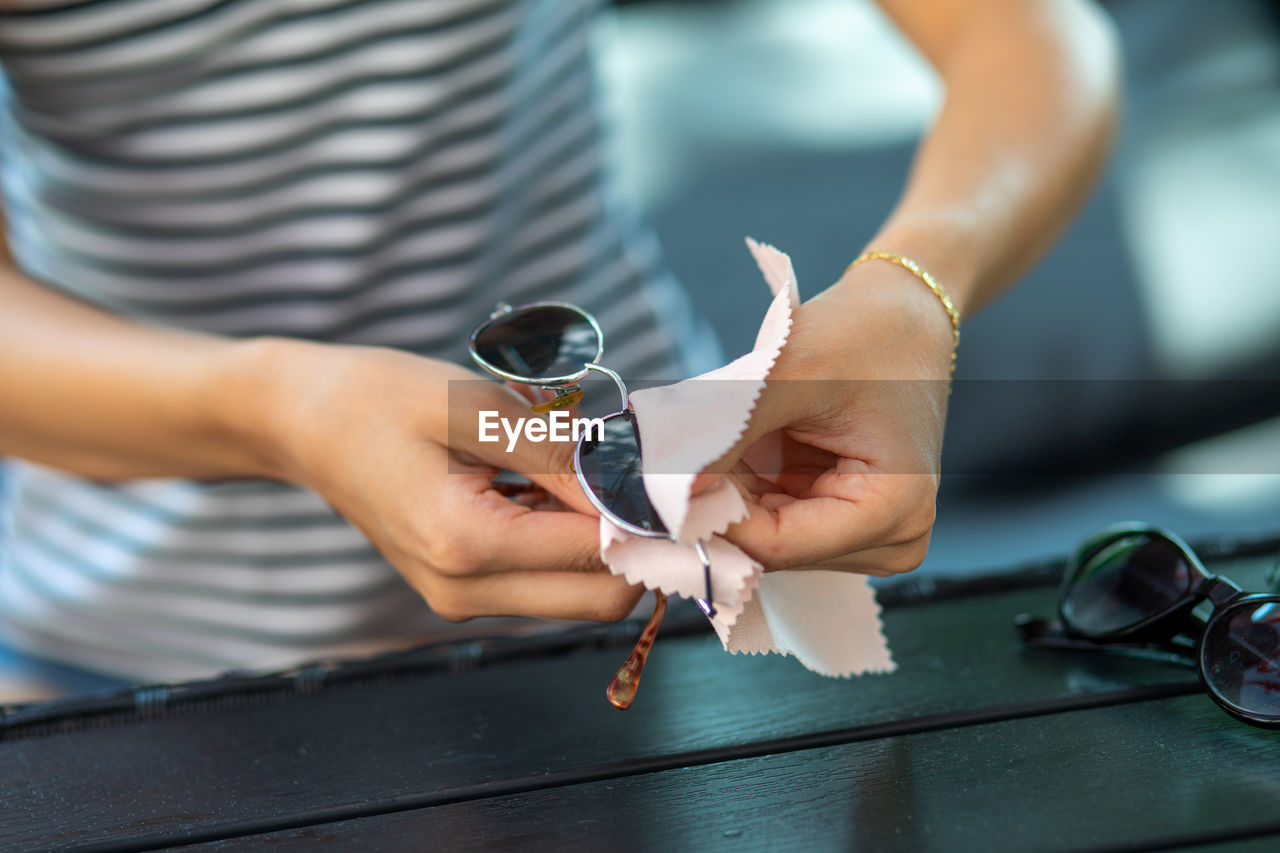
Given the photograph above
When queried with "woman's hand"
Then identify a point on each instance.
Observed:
(109, 398)
(840, 464)
(371, 431)
(842, 474)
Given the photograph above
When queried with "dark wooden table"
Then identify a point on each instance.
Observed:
(973, 744)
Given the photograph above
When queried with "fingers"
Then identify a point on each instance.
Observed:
(762, 439)
(543, 595)
(439, 516)
(547, 462)
(484, 555)
(545, 541)
(749, 482)
(414, 477)
(471, 552)
(535, 564)
(479, 532)
(532, 394)
(880, 562)
(847, 521)
(786, 464)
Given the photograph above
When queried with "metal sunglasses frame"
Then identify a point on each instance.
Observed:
(565, 386)
(1156, 635)
(705, 604)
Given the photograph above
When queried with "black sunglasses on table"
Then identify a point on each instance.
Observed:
(1137, 589)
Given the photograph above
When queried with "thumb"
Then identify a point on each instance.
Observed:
(503, 432)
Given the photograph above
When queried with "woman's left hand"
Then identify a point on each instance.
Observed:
(840, 464)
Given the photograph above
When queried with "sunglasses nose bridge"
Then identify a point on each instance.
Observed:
(612, 374)
(1218, 590)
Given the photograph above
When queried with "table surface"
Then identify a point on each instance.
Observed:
(974, 744)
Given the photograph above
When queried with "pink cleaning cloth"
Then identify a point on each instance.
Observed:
(829, 620)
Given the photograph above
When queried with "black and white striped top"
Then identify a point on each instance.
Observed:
(358, 171)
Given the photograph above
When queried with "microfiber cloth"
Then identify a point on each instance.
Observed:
(830, 621)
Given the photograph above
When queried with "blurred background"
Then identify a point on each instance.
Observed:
(1132, 375)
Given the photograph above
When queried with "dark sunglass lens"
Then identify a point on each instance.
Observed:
(1241, 657)
(1130, 579)
(611, 468)
(539, 343)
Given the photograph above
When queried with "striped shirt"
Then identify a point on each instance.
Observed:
(354, 171)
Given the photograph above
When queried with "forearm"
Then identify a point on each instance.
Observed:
(1030, 106)
(109, 398)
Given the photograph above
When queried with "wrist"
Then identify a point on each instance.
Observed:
(253, 397)
(945, 246)
(926, 279)
(913, 332)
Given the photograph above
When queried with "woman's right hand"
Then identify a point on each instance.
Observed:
(393, 445)
(109, 398)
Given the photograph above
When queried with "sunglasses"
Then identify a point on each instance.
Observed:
(1137, 589)
(556, 345)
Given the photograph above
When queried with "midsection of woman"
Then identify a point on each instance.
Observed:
(377, 172)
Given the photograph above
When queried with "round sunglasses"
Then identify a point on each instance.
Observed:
(1134, 588)
(556, 345)
(547, 344)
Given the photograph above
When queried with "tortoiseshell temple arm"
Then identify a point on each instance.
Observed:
(622, 689)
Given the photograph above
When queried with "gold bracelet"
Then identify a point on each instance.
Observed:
(929, 281)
